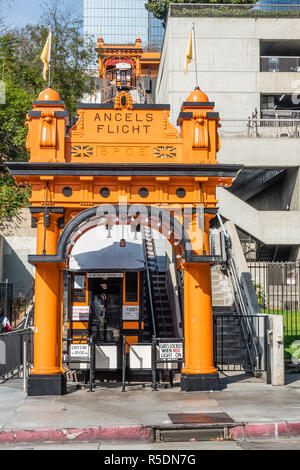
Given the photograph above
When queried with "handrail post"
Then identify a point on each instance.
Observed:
(25, 366)
(92, 362)
(149, 286)
(124, 364)
(154, 384)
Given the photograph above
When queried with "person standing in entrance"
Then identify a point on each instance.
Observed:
(100, 309)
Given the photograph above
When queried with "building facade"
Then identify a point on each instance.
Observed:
(121, 22)
(248, 64)
(96, 193)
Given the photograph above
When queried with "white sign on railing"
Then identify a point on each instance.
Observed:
(170, 351)
(79, 350)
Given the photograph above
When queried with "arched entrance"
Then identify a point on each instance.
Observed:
(111, 292)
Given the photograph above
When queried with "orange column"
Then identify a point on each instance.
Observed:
(47, 321)
(198, 319)
(199, 372)
(47, 316)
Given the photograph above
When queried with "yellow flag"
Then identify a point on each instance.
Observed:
(45, 57)
(189, 53)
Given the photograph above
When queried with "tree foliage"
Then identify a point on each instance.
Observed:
(160, 8)
(12, 199)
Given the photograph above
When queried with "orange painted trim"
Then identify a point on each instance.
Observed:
(131, 325)
(131, 340)
(76, 325)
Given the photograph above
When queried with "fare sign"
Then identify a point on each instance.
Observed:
(170, 351)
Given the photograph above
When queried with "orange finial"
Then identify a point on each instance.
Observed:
(49, 95)
(198, 96)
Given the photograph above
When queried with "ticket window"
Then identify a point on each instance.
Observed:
(106, 309)
(131, 288)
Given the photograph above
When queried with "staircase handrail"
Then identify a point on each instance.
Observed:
(242, 303)
(240, 299)
(149, 286)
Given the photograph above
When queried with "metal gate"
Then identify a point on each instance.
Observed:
(277, 286)
(12, 351)
(240, 343)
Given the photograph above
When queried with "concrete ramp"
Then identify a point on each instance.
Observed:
(269, 227)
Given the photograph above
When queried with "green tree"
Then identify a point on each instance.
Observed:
(21, 72)
(159, 8)
(12, 199)
(71, 54)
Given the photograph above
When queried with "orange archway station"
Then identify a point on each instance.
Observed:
(122, 155)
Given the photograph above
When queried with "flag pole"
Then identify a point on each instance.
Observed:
(49, 58)
(195, 54)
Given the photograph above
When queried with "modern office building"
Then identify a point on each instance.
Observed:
(121, 22)
(248, 64)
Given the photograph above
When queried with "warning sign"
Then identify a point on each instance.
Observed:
(80, 313)
(170, 351)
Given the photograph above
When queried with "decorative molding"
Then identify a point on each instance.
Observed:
(48, 129)
(79, 128)
(168, 129)
(123, 101)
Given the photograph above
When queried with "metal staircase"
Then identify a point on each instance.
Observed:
(247, 187)
(158, 318)
(237, 332)
(230, 343)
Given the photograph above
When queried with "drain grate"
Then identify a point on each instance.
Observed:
(191, 435)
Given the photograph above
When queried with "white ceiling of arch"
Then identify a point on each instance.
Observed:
(99, 249)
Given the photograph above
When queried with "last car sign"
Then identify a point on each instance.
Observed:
(79, 350)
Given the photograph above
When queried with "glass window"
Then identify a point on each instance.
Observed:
(79, 288)
(131, 287)
(102, 18)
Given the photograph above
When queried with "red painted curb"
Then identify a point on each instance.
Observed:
(105, 433)
(142, 434)
(266, 430)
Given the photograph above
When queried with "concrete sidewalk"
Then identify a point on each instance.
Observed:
(258, 409)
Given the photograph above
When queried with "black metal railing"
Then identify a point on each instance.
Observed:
(277, 286)
(149, 288)
(12, 351)
(167, 351)
(279, 64)
(235, 346)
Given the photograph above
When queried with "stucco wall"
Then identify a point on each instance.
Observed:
(19, 240)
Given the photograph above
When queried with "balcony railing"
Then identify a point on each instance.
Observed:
(279, 114)
(264, 10)
(279, 64)
(260, 128)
